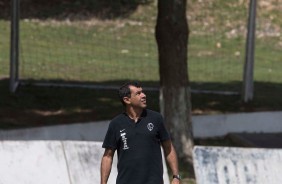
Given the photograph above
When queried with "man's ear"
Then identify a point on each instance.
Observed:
(126, 100)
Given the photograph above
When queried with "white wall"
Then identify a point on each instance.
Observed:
(27, 153)
(56, 162)
(206, 126)
(218, 165)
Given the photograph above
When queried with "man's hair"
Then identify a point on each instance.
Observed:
(124, 90)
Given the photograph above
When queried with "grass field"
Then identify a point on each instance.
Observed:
(66, 46)
(91, 49)
(110, 45)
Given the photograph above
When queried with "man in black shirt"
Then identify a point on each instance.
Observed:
(137, 135)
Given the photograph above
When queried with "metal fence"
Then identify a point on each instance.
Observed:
(60, 46)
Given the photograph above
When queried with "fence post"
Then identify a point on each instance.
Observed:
(248, 83)
(14, 50)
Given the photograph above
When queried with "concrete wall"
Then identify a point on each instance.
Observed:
(94, 131)
(56, 162)
(204, 126)
(63, 154)
(218, 165)
(220, 125)
(70, 153)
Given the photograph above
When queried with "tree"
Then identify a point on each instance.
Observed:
(172, 38)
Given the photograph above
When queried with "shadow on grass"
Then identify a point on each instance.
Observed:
(73, 10)
(40, 106)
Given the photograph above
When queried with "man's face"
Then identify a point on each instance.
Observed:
(137, 98)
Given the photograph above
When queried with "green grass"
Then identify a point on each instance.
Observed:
(116, 43)
(100, 50)
(38, 106)
(47, 55)
(90, 56)
(97, 50)
(4, 48)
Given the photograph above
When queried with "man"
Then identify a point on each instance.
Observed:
(137, 135)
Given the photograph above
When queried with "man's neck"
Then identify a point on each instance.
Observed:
(134, 114)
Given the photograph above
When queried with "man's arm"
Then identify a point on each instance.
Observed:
(171, 158)
(106, 165)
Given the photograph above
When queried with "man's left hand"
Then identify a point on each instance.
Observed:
(175, 181)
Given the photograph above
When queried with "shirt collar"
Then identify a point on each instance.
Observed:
(143, 114)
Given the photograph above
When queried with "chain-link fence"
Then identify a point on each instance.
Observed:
(104, 42)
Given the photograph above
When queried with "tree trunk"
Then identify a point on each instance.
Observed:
(172, 38)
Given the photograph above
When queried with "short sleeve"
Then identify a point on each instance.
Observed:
(110, 138)
(163, 133)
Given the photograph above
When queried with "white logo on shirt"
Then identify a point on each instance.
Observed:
(150, 126)
(124, 140)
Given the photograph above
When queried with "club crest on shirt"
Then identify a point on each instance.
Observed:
(150, 126)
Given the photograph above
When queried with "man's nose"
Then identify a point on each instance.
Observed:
(143, 94)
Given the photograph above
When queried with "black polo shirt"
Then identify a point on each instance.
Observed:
(138, 147)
